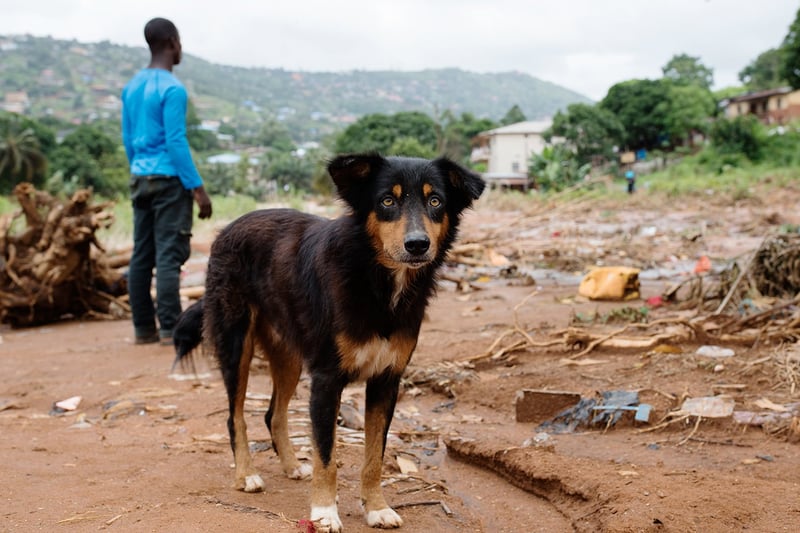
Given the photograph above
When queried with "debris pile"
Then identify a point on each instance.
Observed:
(54, 266)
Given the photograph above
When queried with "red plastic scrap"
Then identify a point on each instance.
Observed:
(306, 526)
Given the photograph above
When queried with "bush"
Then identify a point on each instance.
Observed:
(741, 135)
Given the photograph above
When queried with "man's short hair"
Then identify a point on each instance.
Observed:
(158, 32)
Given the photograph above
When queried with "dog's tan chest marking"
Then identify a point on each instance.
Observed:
(370, 358)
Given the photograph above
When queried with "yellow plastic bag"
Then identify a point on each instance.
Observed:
(611, 283)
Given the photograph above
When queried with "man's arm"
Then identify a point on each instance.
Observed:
(175, 101)
(203, 202)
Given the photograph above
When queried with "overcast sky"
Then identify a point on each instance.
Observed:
(584, 45)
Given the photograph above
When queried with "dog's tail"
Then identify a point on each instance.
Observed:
(188, 332)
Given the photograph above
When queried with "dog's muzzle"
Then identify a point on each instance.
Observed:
(417, 244)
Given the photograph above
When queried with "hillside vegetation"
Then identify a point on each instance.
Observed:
(73, 80)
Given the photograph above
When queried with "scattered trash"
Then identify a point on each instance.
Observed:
(70, 404)
(703, 265)
(774, 415)
(606, 411)
(541, 439)
(764, 403)
(611, 283)
(540, 405)
(350, 417)
(707, 407)
(654, 301)
(667, 348)
(81, 422)
(648, 231)
(191, 376)
(715, 351)
(407, 466)
(63, 406)
(616, 402)
(119, 408)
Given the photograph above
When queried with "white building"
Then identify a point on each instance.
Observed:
(508, 149)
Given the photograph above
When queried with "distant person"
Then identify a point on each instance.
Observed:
(630, 175)
(163, 182)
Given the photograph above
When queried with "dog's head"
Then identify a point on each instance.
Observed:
(410, 207)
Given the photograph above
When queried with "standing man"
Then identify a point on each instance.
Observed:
(163, 183)
(630, 175)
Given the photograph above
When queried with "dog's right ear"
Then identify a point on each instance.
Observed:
(351, 172)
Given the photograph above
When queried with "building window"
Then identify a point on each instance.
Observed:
(515, 166)
(780, 103)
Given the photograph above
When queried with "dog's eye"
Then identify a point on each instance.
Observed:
(387, 201)
(434, 201)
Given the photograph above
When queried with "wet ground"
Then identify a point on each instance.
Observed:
(148, 451)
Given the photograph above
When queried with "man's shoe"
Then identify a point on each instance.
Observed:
(149, 339)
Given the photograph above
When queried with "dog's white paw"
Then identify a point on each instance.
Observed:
(384, 519)
(304, 471)
(253, 483)
(326, 519)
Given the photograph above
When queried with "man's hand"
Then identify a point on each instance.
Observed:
(203, 202)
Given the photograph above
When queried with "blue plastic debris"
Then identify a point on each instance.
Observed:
(607, 411)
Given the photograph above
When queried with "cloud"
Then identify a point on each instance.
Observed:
(585, 45)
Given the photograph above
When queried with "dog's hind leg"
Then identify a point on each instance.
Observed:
(235, 351)
(285, 370)
(326, 393)
(380, 403)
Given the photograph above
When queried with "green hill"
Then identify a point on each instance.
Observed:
(76, 81)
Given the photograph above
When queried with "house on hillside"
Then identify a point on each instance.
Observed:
(16, 102)
(507, 150)
(773, 106)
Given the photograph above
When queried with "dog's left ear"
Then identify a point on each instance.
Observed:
(351, 172)
(463, 185)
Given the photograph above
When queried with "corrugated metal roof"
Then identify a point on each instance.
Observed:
(528, 126)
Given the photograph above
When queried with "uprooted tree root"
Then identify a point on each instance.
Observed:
(55, 266)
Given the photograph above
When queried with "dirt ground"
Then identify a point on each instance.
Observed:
(147, 450)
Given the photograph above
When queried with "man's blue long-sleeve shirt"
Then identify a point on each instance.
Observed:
(154, 127)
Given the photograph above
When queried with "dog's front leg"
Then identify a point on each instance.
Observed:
(326, 393)
(381, 400)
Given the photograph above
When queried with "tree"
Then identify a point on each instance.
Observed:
(556, 168)
(275, 136)
(590, 131)
(513, 116)
(636, 105)
(92, 140)
(87, 157)
(21, 158)
(287, 169)
(765, 71)
(687, 109)
(377, 132)
(410, 147)
(455, 134)
(199, 139)
(684, 69)
(741, 135)
(790, 68)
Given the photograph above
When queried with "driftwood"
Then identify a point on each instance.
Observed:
(47, 268)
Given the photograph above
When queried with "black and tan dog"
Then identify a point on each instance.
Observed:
(343, 298)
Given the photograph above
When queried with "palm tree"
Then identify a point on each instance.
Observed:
(21, 157)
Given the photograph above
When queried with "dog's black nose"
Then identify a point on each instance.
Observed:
(417, 243)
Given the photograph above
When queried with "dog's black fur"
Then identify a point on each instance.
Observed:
(343, 298)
